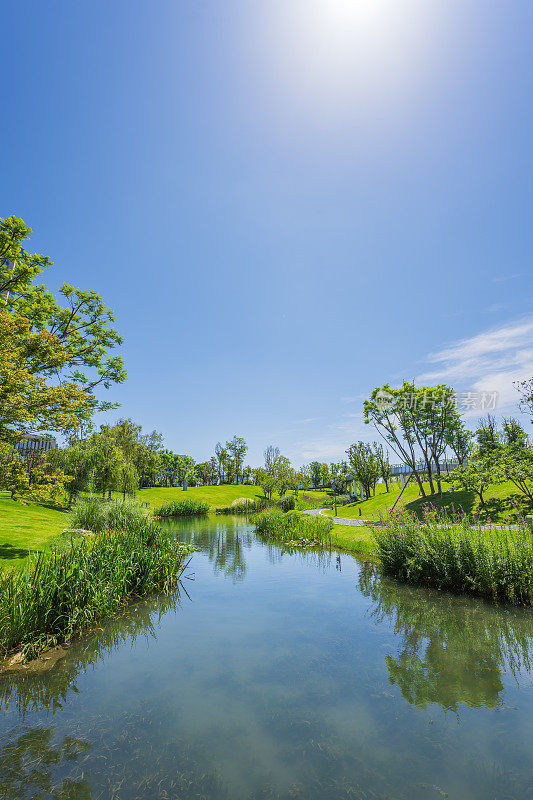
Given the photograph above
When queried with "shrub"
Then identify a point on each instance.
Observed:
(242, 501)
(183, 508)
(94, 515)
(449, 554)
(62, 592)
(246, 505)
(308, 501)
(286, 503)
(293, 528)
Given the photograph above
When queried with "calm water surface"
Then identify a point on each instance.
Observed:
(294, 676)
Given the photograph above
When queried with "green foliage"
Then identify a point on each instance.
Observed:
(515, 464)
(93, 514)
(236, 449)
(446, 552)
(246, 505)
(63, 592)
(382, 459)
(286, 502)
(415, 420)
(293, 528)
(77, 461)
(319, 473)
(475, 476)
(525, 388)
(364, 464)
(183, 508)
(79, 324)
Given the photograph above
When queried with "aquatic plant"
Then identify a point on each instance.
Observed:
(64, 591)
(444, 551)
(293, 528)
(183, 508)
(246, 505)
(91, 513)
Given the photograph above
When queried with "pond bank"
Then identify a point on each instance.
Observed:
(300, 675)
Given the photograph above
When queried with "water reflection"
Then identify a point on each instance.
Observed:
(224, 542)
(452, 651)
(279, 689)
(27, 692)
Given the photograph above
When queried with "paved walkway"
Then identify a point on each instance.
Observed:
(343, 520)
(361, 522)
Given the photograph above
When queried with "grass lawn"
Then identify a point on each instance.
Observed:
(354, 539)
(25, 529)
(498, 501)
(28, 528)
(216, 496)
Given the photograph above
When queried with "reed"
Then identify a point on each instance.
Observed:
(446, 552)
(295, 529)
(64, 591)
(91, 513)
(183, 508)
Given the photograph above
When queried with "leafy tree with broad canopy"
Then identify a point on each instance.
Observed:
(69, 340)
(417, 423)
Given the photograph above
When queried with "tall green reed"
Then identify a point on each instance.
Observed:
(294, 528)
(183, 508)
(64, 591)
(444, 551)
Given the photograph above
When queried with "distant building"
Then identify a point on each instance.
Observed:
(35, 443)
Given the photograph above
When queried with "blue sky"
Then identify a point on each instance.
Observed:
(285, 203)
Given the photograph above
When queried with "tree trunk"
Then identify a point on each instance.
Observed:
(420, 486)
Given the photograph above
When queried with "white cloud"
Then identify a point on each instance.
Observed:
(332, 445)
(488, 362)
(502, 278)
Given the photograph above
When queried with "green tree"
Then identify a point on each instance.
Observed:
(221, 455)
(184, 469)
(476, 476)
(416, 423)
(459, 439)
(28, 400)
(267, 481)
(109, 461)
(128, 479)
(78, 461)
(78, 325)
(364, 465)
(382, 460)
(236, 449)
(282, 472)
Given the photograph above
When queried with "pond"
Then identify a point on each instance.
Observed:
(275, 675)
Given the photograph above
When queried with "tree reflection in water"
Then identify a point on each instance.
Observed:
(453, 650)
(223, 542)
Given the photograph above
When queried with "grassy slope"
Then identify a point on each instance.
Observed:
(498, 500)
(28, 528)
(216, 496)
(356, 540)
(24, 529)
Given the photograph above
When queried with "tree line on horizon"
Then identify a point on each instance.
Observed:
(58, 355)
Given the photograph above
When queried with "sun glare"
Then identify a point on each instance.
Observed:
(349, 51)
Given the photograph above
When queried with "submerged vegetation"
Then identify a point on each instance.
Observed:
(447, 553)
(64, 591)
(183, 508)
(295, 529)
